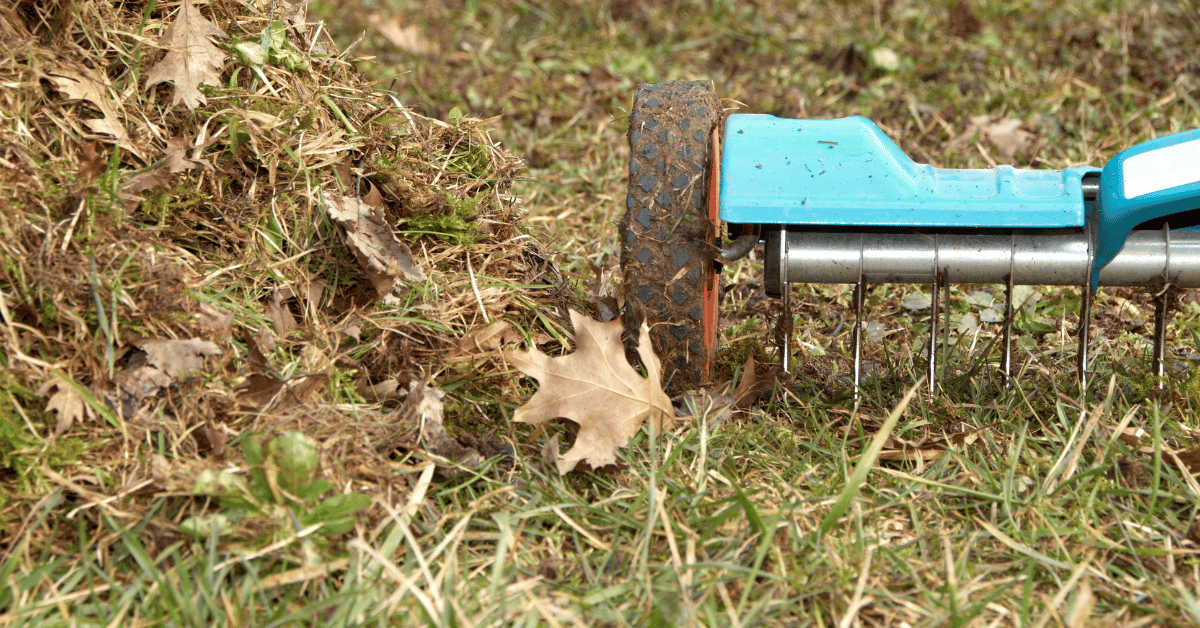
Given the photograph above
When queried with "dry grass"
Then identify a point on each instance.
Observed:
(109, 249)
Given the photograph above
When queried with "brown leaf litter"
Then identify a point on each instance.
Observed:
(82, 83)
(419, 427)
(382, 255)
(191, 60)
(596, 388)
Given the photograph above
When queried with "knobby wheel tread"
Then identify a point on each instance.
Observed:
(668, 252)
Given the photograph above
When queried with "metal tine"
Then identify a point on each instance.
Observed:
(931, 373)
(931, 369)
(1085, 321)
(1162, 307)
(945, 346)
(785, 344)
(1085, 327)
(1006, 356)
(859, 296)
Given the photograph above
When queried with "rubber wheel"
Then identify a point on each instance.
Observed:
(669, 231)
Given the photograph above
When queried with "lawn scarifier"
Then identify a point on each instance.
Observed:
(837, 201)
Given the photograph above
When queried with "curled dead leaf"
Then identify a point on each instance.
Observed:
(927, 449)
(1183, 459)
(485, 340)
(596, 388)
(386, 390)
(419, 420)
(81, 83)
(714, 407)
(382, 255)
(175, 161)
(753, 385)
(159, 364)
(1131, 435)
(1005, 134)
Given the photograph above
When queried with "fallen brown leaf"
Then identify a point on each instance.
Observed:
(597, 388)
(420, 421)
(67, 403)
(85, 84)
(153, 179)
(1130, 434)
(214, 320)
(279, 313)
(1005, 134)
(176, 159)
(407, 38)
(485, 340)
(752, 385)
(177, 358)
(386, 390)
(927, 449)
(716, 407)
(1183, 459)
(191, 58)
(160, 364)
(381, 254)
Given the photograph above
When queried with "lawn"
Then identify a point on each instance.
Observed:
(257, 333)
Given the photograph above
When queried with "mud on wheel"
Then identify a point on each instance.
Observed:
(669, 231)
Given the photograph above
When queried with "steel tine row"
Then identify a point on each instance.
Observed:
(1163, 299)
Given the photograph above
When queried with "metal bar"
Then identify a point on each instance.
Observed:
(1050, 258)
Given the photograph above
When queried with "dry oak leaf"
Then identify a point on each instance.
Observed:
(597, 388)
(191, 57)
(175, 160)
(177, 358)
(67, 403)
(88, 85)
(385, 258)
(407, 38)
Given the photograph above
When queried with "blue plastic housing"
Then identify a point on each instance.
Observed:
(1146, 182)
(847, 172)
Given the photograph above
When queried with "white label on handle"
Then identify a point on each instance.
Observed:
(1162, 169)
